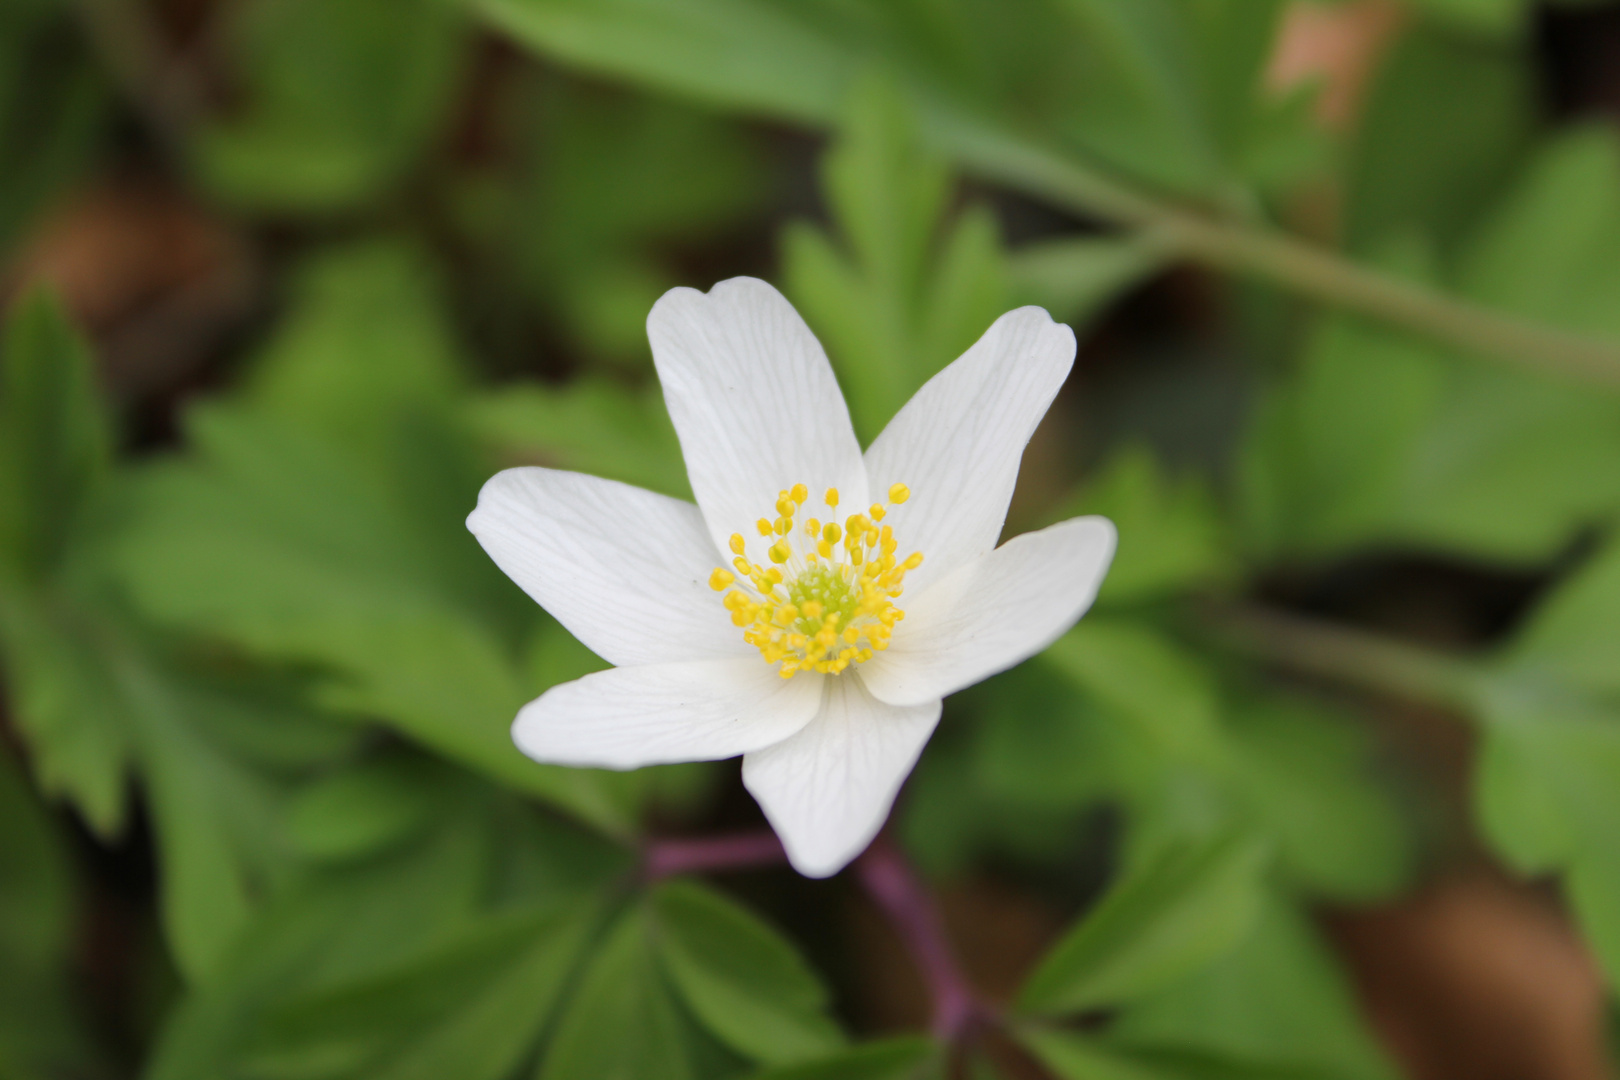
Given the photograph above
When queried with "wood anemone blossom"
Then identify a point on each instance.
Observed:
(810, 646)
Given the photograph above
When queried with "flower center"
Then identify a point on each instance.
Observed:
(828, 600)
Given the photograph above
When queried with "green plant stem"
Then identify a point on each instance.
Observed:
(1353, 657)
(1271, 255)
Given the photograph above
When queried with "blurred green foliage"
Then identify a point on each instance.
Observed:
(261, 653)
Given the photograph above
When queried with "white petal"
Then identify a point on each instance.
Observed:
(989, 615)
(755, 404)
(828, 789)
(625, 570)
(958, 442)
(624, 718)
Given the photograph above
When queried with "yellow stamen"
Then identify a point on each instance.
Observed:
(826, 599)
(899, 493)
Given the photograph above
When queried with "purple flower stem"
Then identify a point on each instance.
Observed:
(734, 851)
(887, 878)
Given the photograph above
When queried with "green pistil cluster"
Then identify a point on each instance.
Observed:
(826, 585)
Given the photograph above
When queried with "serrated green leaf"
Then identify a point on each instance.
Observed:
(65, 706)
(1160, 923)
(1090, 78)
(1074, 278)
(902, 1058)
(40, 1034)
(1302, 778)
(748, 985)
(1173, 537)
(1073, 1056)
(53, 109)
(55, 442)
(470, 1009)
(366, 809)
(340, 101)
(1447, 118)
(906, 290)
(603, 198)
(1145, 678)
(1381, 439)
(1278, 999)
(348, 507)
(588, 426)
(624, 1023)
(333, 927)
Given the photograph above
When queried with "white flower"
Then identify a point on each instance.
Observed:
(733, 629)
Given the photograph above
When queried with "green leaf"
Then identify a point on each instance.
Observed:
(605, 199)
(901, 1058)
(216, 808)
(1161, 922)
(590, 426)
(40, 1035)
(1497, 18)
(909, 290)
(55, 443)
(331, 928)
(1146, 679)
(1548, 251)
(340, 101)
(624, 1022)
(1088, 78)
(65, 706)
(1278, 999)
(1172, 535)
(1547, 782)
(1075, 278)
(1447, 119)
(1380, 439)
(470, 1009)
(1573, 636)
(1139, 101)
(727, 52)
(366, 809)
(348, 506)
(748, 985)
(1072, 1056)
(1302, 778)
(53, 110)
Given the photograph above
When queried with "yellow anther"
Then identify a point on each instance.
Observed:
(828, 611)
(899, 493)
